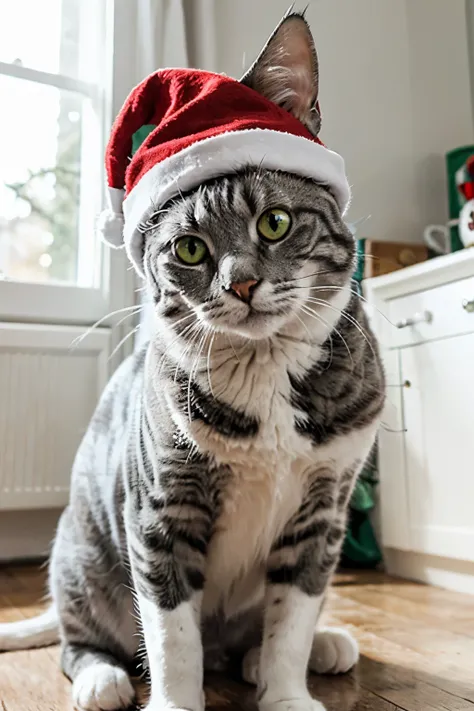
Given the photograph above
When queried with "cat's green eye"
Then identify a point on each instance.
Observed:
(191, 250)
(274, 224)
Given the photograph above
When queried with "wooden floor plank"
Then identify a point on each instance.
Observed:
(438, 613)
(29, 577)
(403, 687)
(32, 681)
(448, 678)
(417, 650)
(436, 642)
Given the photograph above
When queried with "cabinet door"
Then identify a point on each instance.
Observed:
(439, 420)
(391, 514)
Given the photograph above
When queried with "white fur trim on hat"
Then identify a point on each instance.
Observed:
(110, 223)
(223, 154)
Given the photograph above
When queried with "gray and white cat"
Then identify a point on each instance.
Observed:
(209, 495)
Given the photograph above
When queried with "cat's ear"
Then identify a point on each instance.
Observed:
(286, 71)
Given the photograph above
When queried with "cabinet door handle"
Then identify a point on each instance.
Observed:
(423, 317)
(468, 306)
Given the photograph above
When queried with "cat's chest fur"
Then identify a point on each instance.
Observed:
(266, 483)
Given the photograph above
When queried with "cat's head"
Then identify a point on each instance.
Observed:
(248, 253)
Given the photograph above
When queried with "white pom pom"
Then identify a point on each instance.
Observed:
(110, 228)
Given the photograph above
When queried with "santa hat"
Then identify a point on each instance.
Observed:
(182, 127)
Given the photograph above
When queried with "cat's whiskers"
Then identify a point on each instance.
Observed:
(124, 318)
(181, 320)
(195, 333)
(304, 326)
(233, 349)
(123, 341)
(331, 287)
(330, 342)
(306, 276)
(310, 312)
(194, 368)
(208, 363)
(225, 357)
(135, 309)
(188, 332)
(217, 365)
(347, 316)
(181, 334)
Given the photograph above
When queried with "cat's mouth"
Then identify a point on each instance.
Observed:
(262, 313)
(256, 323)
(258, 320)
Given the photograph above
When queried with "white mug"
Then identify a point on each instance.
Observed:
(437, 238)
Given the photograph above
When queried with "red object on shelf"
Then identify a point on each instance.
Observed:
(467, 190)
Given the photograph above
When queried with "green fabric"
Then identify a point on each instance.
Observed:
(140, 135)
(359, 272)
(362, 498)
(360, 545)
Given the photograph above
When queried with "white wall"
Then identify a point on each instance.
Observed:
(395, 96)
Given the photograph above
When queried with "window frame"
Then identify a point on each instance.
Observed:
(71, 304)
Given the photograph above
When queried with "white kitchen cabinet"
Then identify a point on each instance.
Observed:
(438, 411)
(424, 317)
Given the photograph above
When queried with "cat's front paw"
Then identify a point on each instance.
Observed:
(334, 651)
(305, 703)
(102, 687)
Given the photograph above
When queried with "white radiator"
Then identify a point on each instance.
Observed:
(48, 392)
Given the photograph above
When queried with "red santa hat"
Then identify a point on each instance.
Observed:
(182, 127)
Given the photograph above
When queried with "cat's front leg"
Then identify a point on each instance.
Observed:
(299, 569)
(289, 623)
(167, 549)
(175, 656)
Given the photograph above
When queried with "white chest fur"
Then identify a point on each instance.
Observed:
(259, 500)
(268, 476)
(268, 472)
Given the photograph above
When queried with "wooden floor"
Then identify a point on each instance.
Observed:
(417, 650)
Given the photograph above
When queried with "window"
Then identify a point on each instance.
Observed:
(52, 85)
(66, 67)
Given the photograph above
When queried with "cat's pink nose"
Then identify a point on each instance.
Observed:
(244, 289)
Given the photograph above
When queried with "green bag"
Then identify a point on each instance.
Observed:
(360, 545)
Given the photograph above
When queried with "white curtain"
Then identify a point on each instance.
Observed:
(161, 42)
(161, 35)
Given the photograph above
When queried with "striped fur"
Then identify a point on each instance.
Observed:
(210, 494)
(231, 457)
